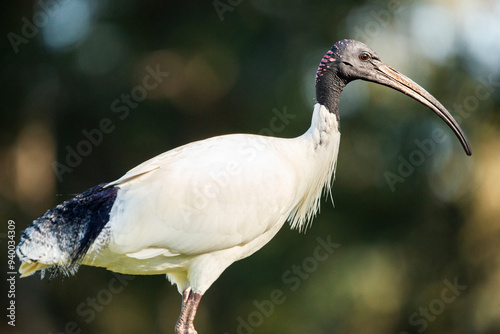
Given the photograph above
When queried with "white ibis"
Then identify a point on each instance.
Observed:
(191, 212)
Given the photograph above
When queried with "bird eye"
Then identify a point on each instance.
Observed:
(364, 56)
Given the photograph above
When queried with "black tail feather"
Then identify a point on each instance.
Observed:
(93, 206)
(69, 229)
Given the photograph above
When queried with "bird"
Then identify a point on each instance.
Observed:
(192, 211)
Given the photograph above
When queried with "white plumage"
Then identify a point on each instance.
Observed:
(217, 201)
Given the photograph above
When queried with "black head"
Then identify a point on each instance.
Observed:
(350, 60)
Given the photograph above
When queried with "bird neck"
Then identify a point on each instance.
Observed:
(329, 86)
(321, 143)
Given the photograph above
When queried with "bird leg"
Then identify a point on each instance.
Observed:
(190, 301)
(185, 296)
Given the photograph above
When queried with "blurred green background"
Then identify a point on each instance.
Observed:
(418, 226)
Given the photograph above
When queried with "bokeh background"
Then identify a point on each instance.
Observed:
(418, 227)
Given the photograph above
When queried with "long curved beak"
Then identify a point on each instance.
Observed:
(388, 76)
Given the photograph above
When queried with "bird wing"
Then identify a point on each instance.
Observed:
(149, 165)
(205, 196)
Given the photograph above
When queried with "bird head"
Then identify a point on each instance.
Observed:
(350, 60)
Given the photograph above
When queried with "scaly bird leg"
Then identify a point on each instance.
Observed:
(190, 302)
